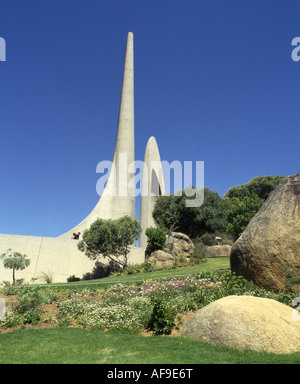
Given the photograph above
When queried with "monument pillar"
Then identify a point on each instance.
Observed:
(116, 200)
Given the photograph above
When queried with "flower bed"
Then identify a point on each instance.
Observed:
(129, 308)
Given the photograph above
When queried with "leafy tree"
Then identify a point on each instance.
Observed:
(245, 200)
(240, 212)
(171, 213)
(156, 240)
(15, 261)
(261, 186)
(210, 216)
(167, 212)
(111, 239)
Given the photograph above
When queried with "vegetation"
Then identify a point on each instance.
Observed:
(119, 313)
(171, 214)
(156, 238)
(80, 346)
(244, 201)
(225, 217)
(111, 239)
(112, 313)
(15, 261)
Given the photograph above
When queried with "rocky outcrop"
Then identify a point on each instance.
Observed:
(246, 322)
(218, 251)
(178, 246)
(268, 251)
(161, 258)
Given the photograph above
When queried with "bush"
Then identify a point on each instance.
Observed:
(116, 314)
(72, 278)
(207, 239)
(200, 250)
(29, 298)
(156, 240)
(163, 316)
(31, 317)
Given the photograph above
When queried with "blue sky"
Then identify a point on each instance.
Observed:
(214, 82)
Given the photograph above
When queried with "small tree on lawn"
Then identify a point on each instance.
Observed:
(14, 261)
(111, 239)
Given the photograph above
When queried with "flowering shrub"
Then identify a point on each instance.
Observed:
(131, 316)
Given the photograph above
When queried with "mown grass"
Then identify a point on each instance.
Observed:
(210, 265)
(80, 346)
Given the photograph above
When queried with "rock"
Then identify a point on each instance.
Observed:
(179, 245)
(246, 322)
(10, 304)
(218, 251)
(161, 258)
(269, 248)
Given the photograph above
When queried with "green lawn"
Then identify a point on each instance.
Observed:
(79, 346)
(211, 265)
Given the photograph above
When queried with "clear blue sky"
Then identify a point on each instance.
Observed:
(214, 82)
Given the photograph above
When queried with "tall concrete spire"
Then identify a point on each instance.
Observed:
(116, 200)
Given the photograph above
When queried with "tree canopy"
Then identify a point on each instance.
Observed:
(245, 200)
(111, 239)
(15, 261)
(171, 213)
(228, 215)
(260, 186)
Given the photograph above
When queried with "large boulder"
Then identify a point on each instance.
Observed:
(161, 258)
(246, 322)
(179, 245)
(268, 251)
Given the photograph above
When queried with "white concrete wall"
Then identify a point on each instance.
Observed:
(57, 257)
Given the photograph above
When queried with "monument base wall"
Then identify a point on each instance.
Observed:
(58, 258)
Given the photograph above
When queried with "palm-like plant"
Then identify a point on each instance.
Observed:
(14, 261)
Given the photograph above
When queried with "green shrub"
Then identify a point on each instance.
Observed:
(207, 239)
(200, 250)
(72, 278)
(29, 298)
(163, 316)
(156, 240)
(291, 279)
(31, 317)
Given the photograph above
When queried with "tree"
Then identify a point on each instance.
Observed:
(244, 201)
(111, 239)
(15, 261)
(240, 212)
(261, 186)
(171, 213)
(167, 212)
(156, 240)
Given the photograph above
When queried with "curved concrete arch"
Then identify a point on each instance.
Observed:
(152, 186)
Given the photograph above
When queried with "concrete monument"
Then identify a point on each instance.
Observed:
(59, 257)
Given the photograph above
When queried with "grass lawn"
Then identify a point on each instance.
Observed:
(79, 346)
(211, 265)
